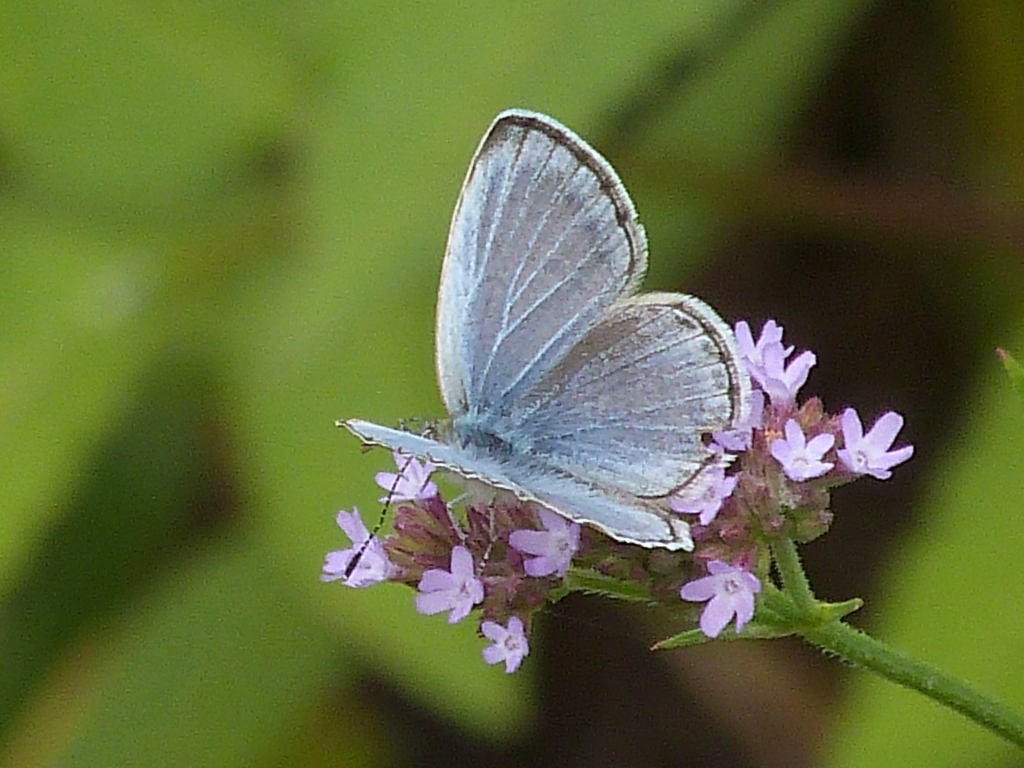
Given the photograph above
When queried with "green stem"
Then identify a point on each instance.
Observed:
(794, 580)
(855, 647)
(816, 623)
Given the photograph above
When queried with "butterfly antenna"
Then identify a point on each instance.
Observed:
(492, 533)
(354, 562)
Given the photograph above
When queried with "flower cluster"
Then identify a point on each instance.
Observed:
(507, 558)
(790, 456)
(504, 558)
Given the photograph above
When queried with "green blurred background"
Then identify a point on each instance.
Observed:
(221, 228)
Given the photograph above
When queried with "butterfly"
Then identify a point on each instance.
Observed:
(563, 385)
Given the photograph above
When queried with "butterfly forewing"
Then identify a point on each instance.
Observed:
(543, 240)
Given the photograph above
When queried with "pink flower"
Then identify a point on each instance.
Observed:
(362, 564)
(457, 590)
(510, 644)
(753, 354)
(783, 380)
(554, 547)
(869, 454)
(800, 459)
(730, 592)
(766, 362)
(411, 483)
(705, 501)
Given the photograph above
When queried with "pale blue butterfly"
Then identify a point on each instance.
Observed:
(562, 386)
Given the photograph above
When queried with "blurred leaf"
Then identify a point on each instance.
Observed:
(1015, 371)
(130, 113)
(77, 331)
(210, 671)
(343, 734)
(145, 491)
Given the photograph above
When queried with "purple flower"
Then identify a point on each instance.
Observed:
(781, 380)
(707, 499)
(372, 565)
(738, 439)
(457, 590)
(753, 354)
(766, 362)
(509, 646)
(800, 459)
(554, 547)
(411, 483)
(869, 454)
(730, 591)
